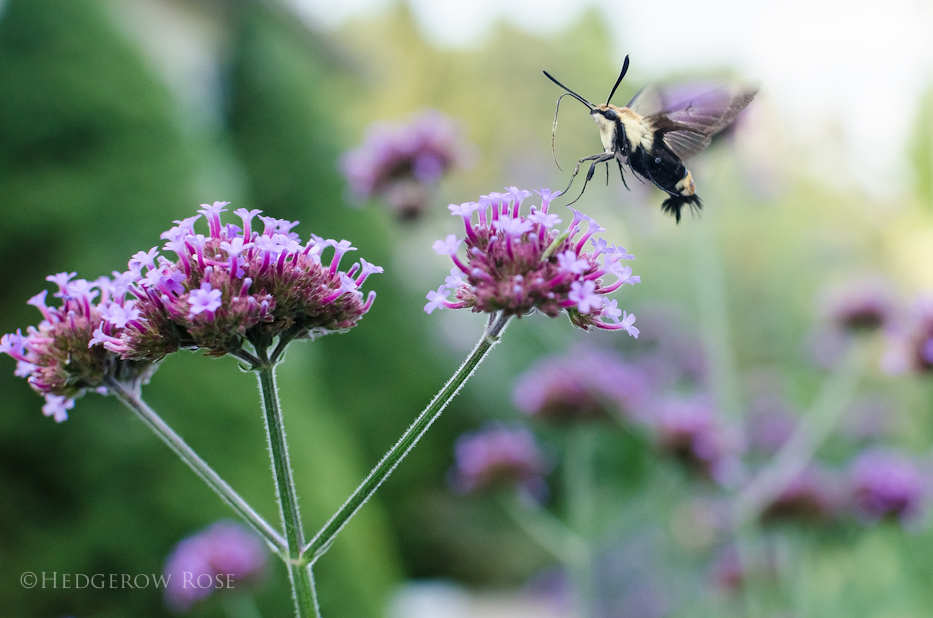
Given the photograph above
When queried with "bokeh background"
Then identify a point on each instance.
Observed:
(118, 116)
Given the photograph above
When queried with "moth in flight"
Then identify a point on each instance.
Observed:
(654, 140)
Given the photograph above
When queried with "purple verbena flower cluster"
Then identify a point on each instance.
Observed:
(586, 383)
(497, 455)
(862, 305)
(233, 285)
(688, 429)
(223, 555)
(814, 495)
(516, 263)
(910, 347)
(58, 357)
(229, 287)
(399, 161)
(887, 484)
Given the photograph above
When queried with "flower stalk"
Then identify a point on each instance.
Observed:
(797, 453)
(581, 448)
(147, 415)
(299, 571)
(323, 539)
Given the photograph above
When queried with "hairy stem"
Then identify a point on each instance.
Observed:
(131, 399)
(298, 571)
(578, 475)
(323, 539)
(545, 529)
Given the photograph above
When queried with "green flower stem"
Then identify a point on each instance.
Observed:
(545, 529)
(713, 309)
(713, 305)
(834, 396)
(298, 570)
(578, 482)
(131, 399)
(240, 606)
(323, 539)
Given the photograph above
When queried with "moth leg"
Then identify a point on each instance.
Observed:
(626, 149)
(621, 173)
(576, 169)
(601, 158)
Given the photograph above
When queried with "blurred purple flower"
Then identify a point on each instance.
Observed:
(398, 162)
(223, 555)
(585, 383)
(863, 305)
(813, 496)
(687, 429)
(888, 484)
(910, 346)
(497, 455)
(515, 264)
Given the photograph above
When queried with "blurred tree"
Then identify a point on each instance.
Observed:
(91, 167)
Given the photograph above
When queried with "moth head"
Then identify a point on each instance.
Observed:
(605, 116)
(605, 110)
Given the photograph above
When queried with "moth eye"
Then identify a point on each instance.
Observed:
(610, 115)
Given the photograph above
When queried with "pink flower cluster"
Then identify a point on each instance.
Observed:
(888, 484)
(910, 345)
(396, 161)
(688, 429)
(861, 305)
(225, 555)
(516, 263)
(585, 383)
(232, 286)
(236, 285)
(496, 455)
(58, 357)
(816, 494)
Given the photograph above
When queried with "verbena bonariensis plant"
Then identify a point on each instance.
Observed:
(400, 163)
(248, 293)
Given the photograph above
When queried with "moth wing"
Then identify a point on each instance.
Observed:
(711, 112)
(685, 144)
(647, 101)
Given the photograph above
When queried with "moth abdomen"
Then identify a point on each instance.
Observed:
(675, 203)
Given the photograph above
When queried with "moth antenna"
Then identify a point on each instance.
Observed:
(618, 81)
(569, 91)
(554, 131)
